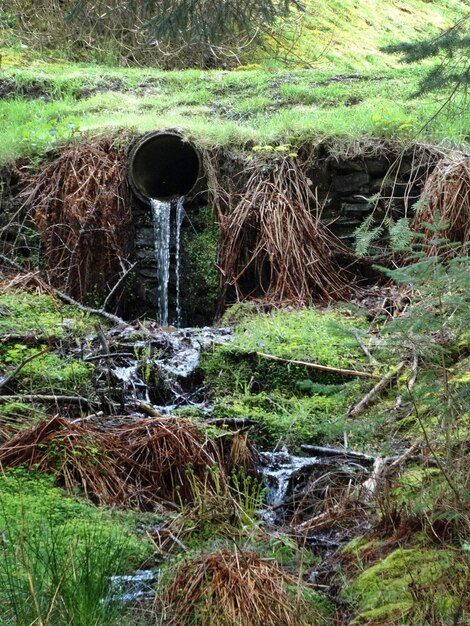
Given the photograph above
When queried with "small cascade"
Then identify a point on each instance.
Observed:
(161, 210)
(162, 224)
(279, 470)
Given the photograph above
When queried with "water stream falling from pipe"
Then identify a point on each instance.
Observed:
(179, 221)
(161, 211)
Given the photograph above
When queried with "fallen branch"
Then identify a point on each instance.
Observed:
(317, 366)
(411, 382)
(365, 349)
(109, 355)
(118, 284)
(231, 422)
(361, 406)
(4, 381)
(337, 452)
(88, 309)
(48, 399)
(12, 263)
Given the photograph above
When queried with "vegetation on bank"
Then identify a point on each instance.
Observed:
(333, 79)
(251, 108)
(93, 486)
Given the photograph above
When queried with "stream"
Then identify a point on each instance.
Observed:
(161, 370)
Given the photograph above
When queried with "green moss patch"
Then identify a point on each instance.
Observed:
(40, 315)
(407, 584)
(292, 402)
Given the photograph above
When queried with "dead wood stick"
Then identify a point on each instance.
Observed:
(109, 355)
(411, 382)
(87, 417)
(317, 366)
(365, 349)
(4, 381)
(407, 455)
(322, 451)
(358, 408)
(12, 263)
(30, 339)
(88, 309)
(118, 284)
(52, 399)
(231, 422)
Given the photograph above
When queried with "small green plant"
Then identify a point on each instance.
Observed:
(57, 555)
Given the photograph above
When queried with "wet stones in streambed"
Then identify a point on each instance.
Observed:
(301, 488)
(151, 364)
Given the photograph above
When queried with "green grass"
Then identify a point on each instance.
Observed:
(243, 109)
(349, 34)
(58, 554)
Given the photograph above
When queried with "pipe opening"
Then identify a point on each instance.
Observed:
(162, 165)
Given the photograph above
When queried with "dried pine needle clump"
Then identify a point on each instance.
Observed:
(273, 247)
(80, 203)
(446, 195)
(234, 589)
(140, 463)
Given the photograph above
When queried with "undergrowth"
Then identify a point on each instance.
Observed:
(58, 555)
(293, 403)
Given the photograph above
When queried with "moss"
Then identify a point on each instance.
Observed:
(49, 373)
(40, 315)
(391, 614)
(30, 501)
(200, 280)
(407, 581)
(293, 403)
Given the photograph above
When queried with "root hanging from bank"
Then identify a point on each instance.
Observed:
(81, 205)
(139, 463)
(272, 240)
(446, 195)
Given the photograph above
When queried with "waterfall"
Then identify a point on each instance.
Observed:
(179, 221)
(161, 210)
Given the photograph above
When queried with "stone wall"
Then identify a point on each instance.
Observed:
(349, 186)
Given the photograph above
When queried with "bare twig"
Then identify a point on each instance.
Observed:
(4, 381)
(317, 366)
(361, 406)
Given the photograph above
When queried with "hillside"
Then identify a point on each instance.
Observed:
(234, 316)
(348, 88)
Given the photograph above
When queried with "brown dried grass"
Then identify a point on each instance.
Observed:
(446, 194)
(140, 463)
(80, 203)
(272, 246)
(231, 589)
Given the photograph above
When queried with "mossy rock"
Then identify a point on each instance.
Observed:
(406, 585)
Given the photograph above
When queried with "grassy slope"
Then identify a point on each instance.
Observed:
(351, 89)
(350, 33)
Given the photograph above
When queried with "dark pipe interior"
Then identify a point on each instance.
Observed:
(163, 165)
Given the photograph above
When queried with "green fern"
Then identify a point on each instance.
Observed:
(400, 234)
(365, 234)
